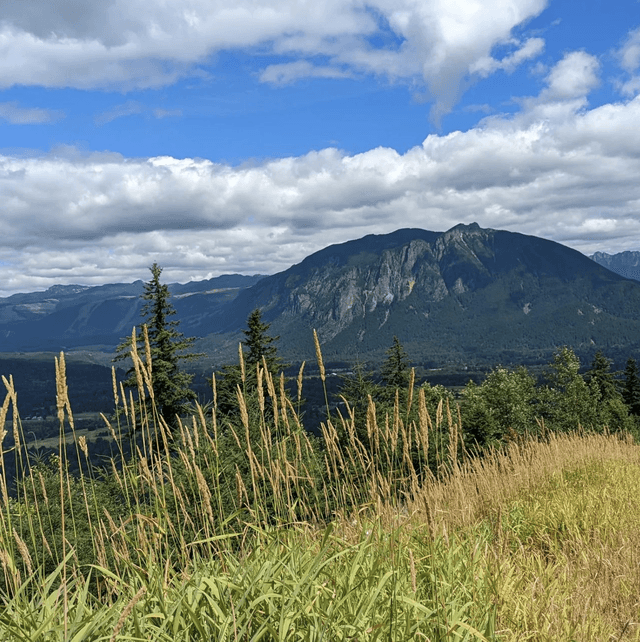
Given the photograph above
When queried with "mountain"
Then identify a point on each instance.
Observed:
(626, 264)
(74, 316)
(465, 295)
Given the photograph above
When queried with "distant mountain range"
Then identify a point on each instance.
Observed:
(465, 296)
(75, 316)
(626, 264)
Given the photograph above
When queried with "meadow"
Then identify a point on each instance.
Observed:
(255, 530)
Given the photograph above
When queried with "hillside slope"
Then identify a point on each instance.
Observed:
(468, 293)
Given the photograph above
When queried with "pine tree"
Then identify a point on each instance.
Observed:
(631, 390)
(258, 344)
(395, 371)
(171, 386)
(356, 389)
(611, 410)
(601, 379)
(261, 411)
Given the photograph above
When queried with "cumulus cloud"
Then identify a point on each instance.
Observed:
(127, 44)
(573, 77)
(629, 56)
(557, 169)
(16, 115)
(568, 85)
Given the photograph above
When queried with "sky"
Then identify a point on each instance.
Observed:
(215, 137)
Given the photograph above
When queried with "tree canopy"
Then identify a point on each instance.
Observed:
(168, 347)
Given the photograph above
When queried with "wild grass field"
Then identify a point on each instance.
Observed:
(255, 530)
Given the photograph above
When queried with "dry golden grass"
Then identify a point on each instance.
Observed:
(560, 523)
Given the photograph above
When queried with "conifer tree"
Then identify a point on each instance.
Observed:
(257, 344)
(395, 371)
(171, 386)
(236, 463)
(356, 389)
(601, 379)
(631, 390)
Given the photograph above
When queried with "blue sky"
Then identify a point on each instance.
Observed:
(215, 138)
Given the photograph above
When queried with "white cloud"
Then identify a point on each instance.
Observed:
(630, 52)
(573, 77)
(558, 170)
(167, 113)
(629, 56)
(569, 83)
(16, 115)
(130, 108)
(289, 72)
(126, 44)
(486, 66)
(133, 108)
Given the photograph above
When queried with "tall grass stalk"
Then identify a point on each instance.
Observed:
(253, 530)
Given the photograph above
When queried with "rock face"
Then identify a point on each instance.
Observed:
(466, 291)
(626, 264)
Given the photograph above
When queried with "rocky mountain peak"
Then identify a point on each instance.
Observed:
(626, 263)
(488, 288)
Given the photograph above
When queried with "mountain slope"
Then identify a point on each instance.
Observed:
(458, 295)
(73, 316)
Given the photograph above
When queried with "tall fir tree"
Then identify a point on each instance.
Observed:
(260, 344)
(631, 389)
(257, 348)
(257, 345)
(395, 371)
(355, 390)
(171, 386)
(601, 379)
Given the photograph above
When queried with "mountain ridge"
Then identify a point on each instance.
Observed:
(626, 263)
(356, 288)
(463, 295)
